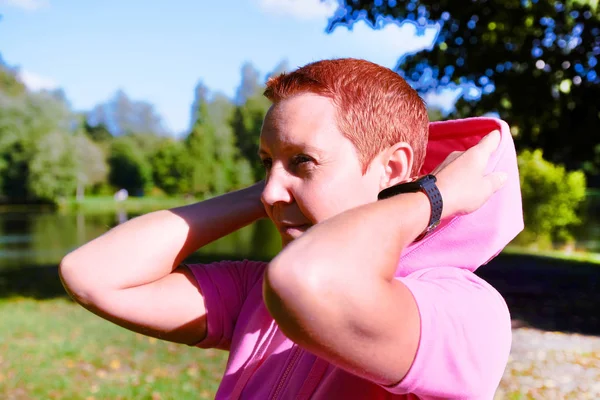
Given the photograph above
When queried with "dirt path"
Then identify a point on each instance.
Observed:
(552, 365)
(555, 307)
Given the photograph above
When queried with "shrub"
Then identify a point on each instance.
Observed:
(129, 168)
(552, 200)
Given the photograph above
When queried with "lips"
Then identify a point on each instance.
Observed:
(293, 228)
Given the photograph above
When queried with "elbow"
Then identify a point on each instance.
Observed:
(278, 290)
(74, 280)
(290, 292)
(66, 273)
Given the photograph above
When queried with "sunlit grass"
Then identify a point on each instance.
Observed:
(54, 349)
(583, 257)
(104, 204)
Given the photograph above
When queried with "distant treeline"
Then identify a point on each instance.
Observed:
(49, 153)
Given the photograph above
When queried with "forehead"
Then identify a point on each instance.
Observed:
(305, 120)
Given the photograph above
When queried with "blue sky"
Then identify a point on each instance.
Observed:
(158, 51)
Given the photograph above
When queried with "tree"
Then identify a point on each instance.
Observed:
(52, 169)
(249, 84)
(552, 200)
(233, 170)
(217, 164)
(91, 164)
(98, 133)
(122, 115)
(36, 153)
(535, 63)
(172, 168)
(9, 83)
(246, 123)
(129, 168)
(202, 146)
(434, 114)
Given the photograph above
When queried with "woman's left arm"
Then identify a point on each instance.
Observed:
(333, 291)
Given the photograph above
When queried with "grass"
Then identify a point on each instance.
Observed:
(103, 204)
(575, 257)
(54, 349)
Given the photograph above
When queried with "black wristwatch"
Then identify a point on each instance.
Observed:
(425, 184)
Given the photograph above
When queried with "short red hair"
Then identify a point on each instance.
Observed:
(376, 107)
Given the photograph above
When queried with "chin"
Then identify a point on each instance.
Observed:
(286, 239)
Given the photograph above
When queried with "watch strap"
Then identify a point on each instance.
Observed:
(427, 185)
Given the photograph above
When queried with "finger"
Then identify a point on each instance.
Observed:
(490, 142)
(454, 155)
(495, 181)
(449, 160)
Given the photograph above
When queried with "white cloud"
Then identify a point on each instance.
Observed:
(385, 46)
(28, 5)
(37, 82)
(300, 9)
(443, 99)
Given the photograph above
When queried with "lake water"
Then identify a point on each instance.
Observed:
(34, 237)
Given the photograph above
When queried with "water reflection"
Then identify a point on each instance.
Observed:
(41, 238)
(34, 237)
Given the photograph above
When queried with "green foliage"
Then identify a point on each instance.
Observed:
(98, 133)
(172, 168)
(36, 148)
(233, 170)
(48, 152)
(122, 115)
(536, 62)
(247, 123)
(91, 166)
(552, 198)
(129, 168)
(9, 83)
(53, 168)
(201, 145)
(218, 164)
(435, 114)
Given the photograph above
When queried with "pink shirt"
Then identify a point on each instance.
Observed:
(465, 324)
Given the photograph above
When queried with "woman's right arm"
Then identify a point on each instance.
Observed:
(132, 276)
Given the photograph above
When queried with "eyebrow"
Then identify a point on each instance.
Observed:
(292, 147)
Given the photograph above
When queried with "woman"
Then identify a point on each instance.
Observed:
(368, 299)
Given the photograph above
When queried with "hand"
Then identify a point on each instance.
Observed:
(461, 179)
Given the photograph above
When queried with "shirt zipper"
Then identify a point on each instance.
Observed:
(288, 369)
(258, 356)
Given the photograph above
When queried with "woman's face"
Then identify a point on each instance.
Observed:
(312, 170)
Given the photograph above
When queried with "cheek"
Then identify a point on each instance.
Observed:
(334, 196)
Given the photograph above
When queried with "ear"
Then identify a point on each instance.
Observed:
(397, 161)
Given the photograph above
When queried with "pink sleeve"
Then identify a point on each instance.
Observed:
(224, 286)
(465, 336)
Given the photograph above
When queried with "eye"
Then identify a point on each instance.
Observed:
(301, 159)
(267, 163)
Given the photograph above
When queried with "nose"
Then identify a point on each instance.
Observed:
(277, 188)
